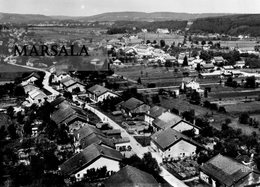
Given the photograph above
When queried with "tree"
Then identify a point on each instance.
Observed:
(195, 98)
(162, 43)
(67, 95)
(185, 61)
(198, 68)
(12, 131)
(27, 128)
(189, 115)
(139, 81)
(250, 82)
(19, 91)
(156, 99)
(206, 93)
(190, 133)
(244, 118)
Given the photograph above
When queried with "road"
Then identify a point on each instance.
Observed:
(45, 80)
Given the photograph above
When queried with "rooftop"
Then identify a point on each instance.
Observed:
(132, 103)
(88, 156)
(167, 138)
(226, 170)
(97, 90)
(131, 176)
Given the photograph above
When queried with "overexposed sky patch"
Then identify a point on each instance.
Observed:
(92, 7)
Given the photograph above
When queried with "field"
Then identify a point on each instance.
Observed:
(242, 44)
(160, 76)
(168, 38)
(10, 72)
(4, 68)
(69, 33)
(251, 107)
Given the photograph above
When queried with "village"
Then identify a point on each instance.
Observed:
(147, 109)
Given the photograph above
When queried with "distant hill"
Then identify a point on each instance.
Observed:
(233, 25)
(23, 18)
(112, 16)
(142, 16)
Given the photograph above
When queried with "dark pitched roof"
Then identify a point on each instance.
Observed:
(156, 111)
(97, 139)
(169, 137)
(65, 112)
(89, 155)
(36, 75)
(226, 170)
(132, 103)
(166, 120)
(57, 101)
(86, 131)
(131, 176)
(98, 90)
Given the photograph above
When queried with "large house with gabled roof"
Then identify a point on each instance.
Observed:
(224, 171)
(92, 157)
(173, 144)
(99, 93)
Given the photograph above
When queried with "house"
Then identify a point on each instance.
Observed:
(240, 64)
(153, 113)
(224, 171)
(30, 79)
(170, 143)
(183, 125)
(162, 31)
(99, 93)
(70, 84)
(88, 135)
(122, 144)
(207, 67)
(30, 87)
(71, 116)
(217, 60)
(131, 177)
(76, 85)
(134, 106)
(37, 96)
(92, 157)
(166, 120)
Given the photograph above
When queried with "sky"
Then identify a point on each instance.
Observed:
(93, 7)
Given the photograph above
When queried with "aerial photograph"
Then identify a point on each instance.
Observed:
(130, 93)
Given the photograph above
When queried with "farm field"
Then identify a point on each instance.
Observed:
(5, 68)
(160, 76)
(242, 44)
(168, 38)
(10, 72)
(250, 107)
(66, 33)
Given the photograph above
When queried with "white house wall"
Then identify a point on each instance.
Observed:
(81, 87)
(180, 149)
(105, 96)
(111, 165)
(182, 126)
(148, 119)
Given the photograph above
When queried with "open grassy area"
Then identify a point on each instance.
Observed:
(238, 108)
(7, 68)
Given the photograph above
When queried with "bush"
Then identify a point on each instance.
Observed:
(244, 118)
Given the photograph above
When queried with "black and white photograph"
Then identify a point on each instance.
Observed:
(129, 93)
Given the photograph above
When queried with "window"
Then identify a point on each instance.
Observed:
(78, 175)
